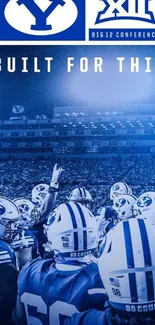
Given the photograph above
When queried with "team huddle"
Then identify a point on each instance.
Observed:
(67, 266)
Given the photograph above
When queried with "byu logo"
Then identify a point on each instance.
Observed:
(51, 218)
(143, 10)
(23, 208)
(40, 188)
(41, 17)
(18, 109)
(116, 187)
(144, 201)
(120, 203)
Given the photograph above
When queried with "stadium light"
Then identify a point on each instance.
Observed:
(110, 87)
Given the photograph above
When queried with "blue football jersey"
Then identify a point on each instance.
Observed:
(38, 232)
(109, 317)
(108, 219)
(51, 295)
(8, 282)
(26, 240)
(90, 317)
(7, 254)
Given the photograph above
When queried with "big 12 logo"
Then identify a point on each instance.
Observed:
(143, 10)
(41, 17)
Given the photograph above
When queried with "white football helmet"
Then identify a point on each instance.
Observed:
(145, 206)
(25, 208)
(124, 206)
(8, 219)
(118, 189)
(80, 195)
(127, 266)
(72, 230)
(38, 193)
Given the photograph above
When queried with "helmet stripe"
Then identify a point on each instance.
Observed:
(84, 192)
(73, 218)
(145, 243)
(10, 252)
(147, 259)
(127, 188)
(80, 190)
(81, 214)
(130, 262)
(83, 224)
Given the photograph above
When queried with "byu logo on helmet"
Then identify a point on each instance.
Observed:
(120, 203)
(116, 187)
(24, 207)
(144, 201)
(143, 10)
(40, 188)
(41, 17)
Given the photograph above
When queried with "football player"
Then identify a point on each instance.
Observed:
(39, 192)
(118, 189)
(39, 214)
(145, 206)
(127, 269)
(8, 264)
(82, 196)
(108, 215)
(49, 292)
(25, 244)
(25, 208)
(124, 206)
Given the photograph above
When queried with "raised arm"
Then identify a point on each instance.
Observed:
(47, 206)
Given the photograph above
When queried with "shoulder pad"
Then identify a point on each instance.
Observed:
(25, 241)
(6, 253)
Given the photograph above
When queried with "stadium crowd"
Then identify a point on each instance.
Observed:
(19, 177)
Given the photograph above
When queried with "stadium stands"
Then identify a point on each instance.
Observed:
(78, 135)
(111, 147)
(97, 175)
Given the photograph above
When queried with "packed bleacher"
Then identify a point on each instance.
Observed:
(19, 177)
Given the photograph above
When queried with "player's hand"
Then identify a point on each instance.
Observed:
(55, 176)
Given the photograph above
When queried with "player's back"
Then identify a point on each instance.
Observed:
(8, 282)
(38, 232)
(26, 240)
(108, 218)
(25, 246)
(50, 294)
(7, 254)
(110, 317)
(91, 317)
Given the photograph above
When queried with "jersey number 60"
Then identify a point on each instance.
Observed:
(58, 308)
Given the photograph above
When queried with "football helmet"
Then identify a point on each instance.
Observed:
(145, 206)
(124, 205)
(38, 193)
(127, 266)
(8, 219)
(118, 189)
(80, 195)
(25, 208)
(72, 231)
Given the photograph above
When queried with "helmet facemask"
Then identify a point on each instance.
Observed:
(11, 229)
